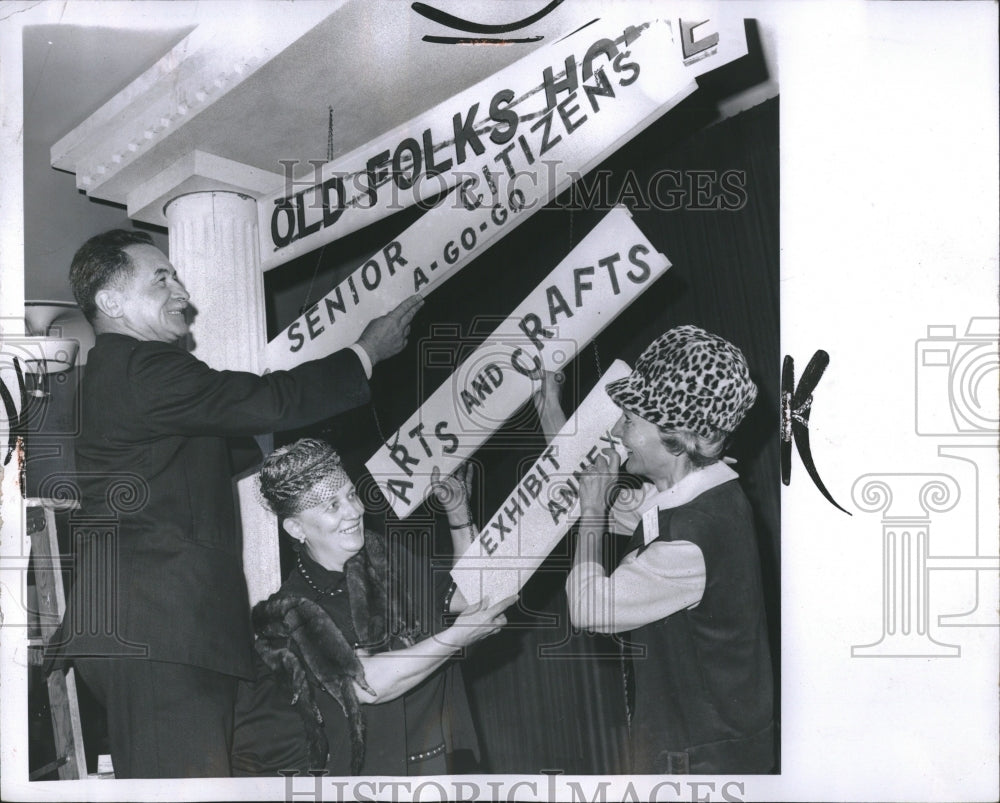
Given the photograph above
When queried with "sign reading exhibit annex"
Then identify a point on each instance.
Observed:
(497, 152)
(611, 267)
(540, 510)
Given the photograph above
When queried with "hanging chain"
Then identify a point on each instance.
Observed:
(378, 425)
(329, 135)
(319, 261)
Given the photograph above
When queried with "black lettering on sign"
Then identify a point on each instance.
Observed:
(557, 304)
(332, 213)
(602, 89)
(533, 372)
(412, 147)
(298, 339)
(371, 274)
(282, 223)
(446, 437)
(433, 168)
(337, 305)
(418, 433)
(525, 149)
(376, 175)
(470, 201)
(465, 132)
(419, 279)
(629, 66)
(488, 543)
(531, 325)
(609, 264)
(503, 116)
(312, 322)
(399, 488)
(401, 457)
(304, 230)
(545, 123)
(502, 157)
(602, 46)
(579, 285)
(566, 114)
(633, 257)
(553, 87)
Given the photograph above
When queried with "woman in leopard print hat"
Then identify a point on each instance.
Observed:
(689, 587)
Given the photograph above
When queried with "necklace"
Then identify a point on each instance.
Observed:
(309, 580)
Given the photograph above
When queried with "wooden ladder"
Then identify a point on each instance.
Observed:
(40, 524)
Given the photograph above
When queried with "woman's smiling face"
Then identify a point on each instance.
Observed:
(647, 456)
(335, 526)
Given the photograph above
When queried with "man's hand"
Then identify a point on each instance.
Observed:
(386, 336)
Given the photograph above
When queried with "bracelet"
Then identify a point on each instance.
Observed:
(449, 596)
(468, 524)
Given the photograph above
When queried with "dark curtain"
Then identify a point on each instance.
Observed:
(544, 697)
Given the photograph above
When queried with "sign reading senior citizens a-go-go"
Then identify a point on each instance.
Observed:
(500, 150)
(610, 268)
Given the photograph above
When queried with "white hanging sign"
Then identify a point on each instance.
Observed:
(511, 144)
(541, 509)
(611, 267)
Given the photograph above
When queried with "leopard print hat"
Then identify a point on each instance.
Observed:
(688, 379)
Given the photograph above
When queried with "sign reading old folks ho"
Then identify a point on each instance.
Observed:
(487, 159)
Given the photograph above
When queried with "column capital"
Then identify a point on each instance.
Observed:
(905, 496)
(130, 148)
(195, 172)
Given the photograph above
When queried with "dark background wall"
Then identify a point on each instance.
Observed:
(546, 698)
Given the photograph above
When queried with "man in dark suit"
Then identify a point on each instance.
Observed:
(158, 623)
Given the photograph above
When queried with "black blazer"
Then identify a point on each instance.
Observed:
(159, 566)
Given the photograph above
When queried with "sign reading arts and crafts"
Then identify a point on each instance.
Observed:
(499, 151)
(540, 510)
(597, 280)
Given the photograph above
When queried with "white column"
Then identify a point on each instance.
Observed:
(213, 246)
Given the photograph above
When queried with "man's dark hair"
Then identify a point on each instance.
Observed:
(99, 262)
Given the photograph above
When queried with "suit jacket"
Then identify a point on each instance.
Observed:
(159, 551)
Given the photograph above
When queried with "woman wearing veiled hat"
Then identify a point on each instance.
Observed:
(352, 662)
(688, 590)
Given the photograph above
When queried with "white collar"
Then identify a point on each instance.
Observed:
(690, 487)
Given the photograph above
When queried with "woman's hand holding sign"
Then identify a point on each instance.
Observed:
(597, 482)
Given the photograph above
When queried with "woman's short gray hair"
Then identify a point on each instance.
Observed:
(701, 450)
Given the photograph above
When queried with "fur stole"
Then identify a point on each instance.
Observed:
(307, 652)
